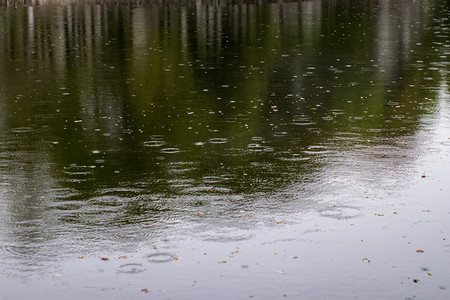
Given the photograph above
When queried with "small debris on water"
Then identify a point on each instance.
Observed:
(419, 251)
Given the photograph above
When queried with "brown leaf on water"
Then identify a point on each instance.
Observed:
(104, 258)
(222, 262)
(145, 290)
(416, 280)
(419, 251)
(123, 257)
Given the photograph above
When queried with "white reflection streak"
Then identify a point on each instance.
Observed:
(30, 15)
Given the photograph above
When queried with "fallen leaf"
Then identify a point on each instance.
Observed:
(222, 262)
(419, 251)
(416, 280)
(145, 290)
(123, 257)
(104, 258)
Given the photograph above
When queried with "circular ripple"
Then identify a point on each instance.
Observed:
(255, 147)
(218, 140)
(225, 237)
(157, 137)
(341, 212)
(170, 150)
(22, 129)
(206, 190)
(22, 250)
(131, 269)
(162, 257)
(317, 150)
(155, 143)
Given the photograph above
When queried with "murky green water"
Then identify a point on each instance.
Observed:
(225, 150)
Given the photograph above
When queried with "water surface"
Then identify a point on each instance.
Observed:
(208, 149)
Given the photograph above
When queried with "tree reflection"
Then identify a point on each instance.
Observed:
(168, 100)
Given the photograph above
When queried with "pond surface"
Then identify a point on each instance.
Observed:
(225, 150)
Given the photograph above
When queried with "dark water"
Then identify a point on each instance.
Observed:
(225, 150)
